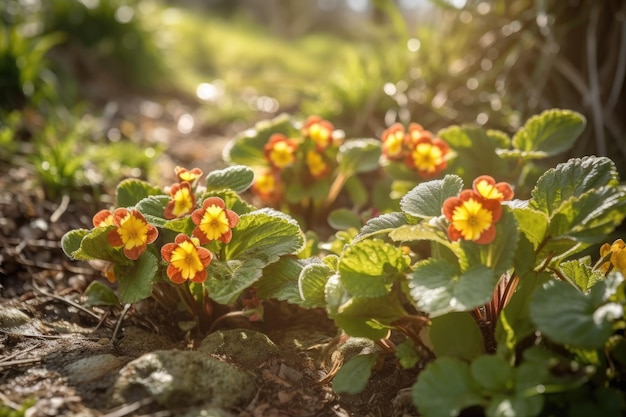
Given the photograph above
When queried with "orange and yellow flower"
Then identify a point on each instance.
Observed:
(187, 259)
(103, 218)
(487, 188)
(183, 201)
(427, 155)
(317, 166)
(214, 221)
(393, 139)
(280, 151)
(320, 131)
(191, 176)
(268, 186)
(133, 232)
(614, 256)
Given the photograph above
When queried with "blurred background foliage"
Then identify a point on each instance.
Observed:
(363, 64)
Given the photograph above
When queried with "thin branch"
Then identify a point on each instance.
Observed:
(119, 322)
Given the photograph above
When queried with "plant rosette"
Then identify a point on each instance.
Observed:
(493, 290)
(188, 246)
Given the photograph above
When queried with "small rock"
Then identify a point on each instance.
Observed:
(206, 412)
(12, 317)
(92, 368)
(135, 342)
(246, 347)
(182, 378)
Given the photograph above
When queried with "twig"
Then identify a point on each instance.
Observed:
(70, 302)
(119, 322)
(65, 202)
(19, 362)
(16, 354)
(130, 408)
(8, 402)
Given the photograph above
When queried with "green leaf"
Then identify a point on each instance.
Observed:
(280, 280)
(343, 219)
(237, 178)
(227, 280)
(493, 373)
(421, 231)
(571, 179)
(153, 207)
(130, 191)
(368, 317)
(370, 267)
(567, 316)
(95, 245)
(354, 374)
(533, 223)
(232, 200)
(581, 273)
(382, 224)
(359, 155)
(247, 147)
(549, 133)
(312, 284)
(445, 388)
(266, 235)
(426, 200)
(70, 242)
(98, 294)
(499, 254)
(135, 281)
(456, 335)
(438, 287)
(407, 355)
(357, 191)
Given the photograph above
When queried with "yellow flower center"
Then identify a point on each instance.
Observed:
(133, 231)
(183, 202)
(393, 144)
(471, 219)
(281, 154)
(214, 222)
(427, 157)
(319, 134)
(265, 183)
(488, 191)
(315, 162)
(185, 258)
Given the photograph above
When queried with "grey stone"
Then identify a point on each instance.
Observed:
(12, 317)
(181, 379)
(92, 368)
(245, 347)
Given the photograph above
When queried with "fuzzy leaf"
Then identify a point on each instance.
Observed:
(312, 284)
(95, 245)
(354, 374)
(70, 242)
(437, 287)
(227, 280)
(135, 281)
(420, 231)
(280, 280)
(130, 191)
(493, 373)
(370, 267)
(456, 335)
(343, 219)
(567, 316)
(549, 133)
(359, 155)
(382, 224)
(581, 273)
(232, 200)
(153, 207)
(98, 294)
(444, 388)
(533, 223)
(368, 317)
(426, 199)
(237, 178)
(265, 235)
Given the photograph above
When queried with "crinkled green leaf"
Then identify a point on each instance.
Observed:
(359, 155)
(533, 223)
(131, 191)
(382, 224)
(420, 231)
(567, 316)
(493, 373)
(354, 374)
(280, 280)
(232, 200)
(571, 179)
(445, 388)
(135, 280)
(581, 273)
(437, 287)
(95, 245)
(99, 294)
(549, 133)
(456, 335)
(247, 147)
(153, 208)
(426, 199)
(227, 280)
(265, 235)
(70, 242)
(312, 284)
(368, 317)
(500, 253)
(343, 218)
(370, 267)
(237, 178)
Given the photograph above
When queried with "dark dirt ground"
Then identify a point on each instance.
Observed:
(37, 279)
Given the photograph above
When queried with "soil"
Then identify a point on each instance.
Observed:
(37, 279)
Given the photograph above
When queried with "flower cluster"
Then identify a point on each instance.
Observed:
(307, 157)
(417, 147)
(475, 212)
(613, 257)
(186, 258)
